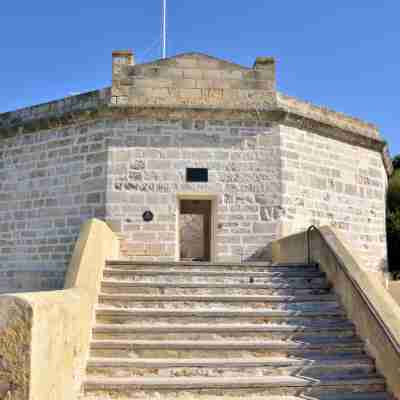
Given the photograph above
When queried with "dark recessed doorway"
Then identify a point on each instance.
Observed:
(195, 230)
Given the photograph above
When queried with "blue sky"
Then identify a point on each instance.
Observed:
(343, 54)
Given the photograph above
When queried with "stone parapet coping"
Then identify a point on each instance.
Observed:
(288, 111)
(45, 336)
(38, 117)
(368, 304)
(327, 116)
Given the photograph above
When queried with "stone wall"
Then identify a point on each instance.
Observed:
(146, 171)
(327, 182)
(193, 79)
(50, 182)
(268, 181)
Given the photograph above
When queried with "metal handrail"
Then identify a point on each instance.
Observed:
(395, 344)
(309, 230)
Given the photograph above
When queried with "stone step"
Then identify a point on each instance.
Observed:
(134, 315)
(173, 301)
(248, 394)
(223, 348)
(126, 297)
(287, 385)
(316, 343)
(268, 274)
(335, 328)
(339, 395)
(240, 279)
(282, 288)
(246, 266)
(314, 367)
(210, 302)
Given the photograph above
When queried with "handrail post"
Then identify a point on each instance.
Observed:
(308, 236)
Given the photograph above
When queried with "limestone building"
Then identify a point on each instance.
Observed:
(187, 157)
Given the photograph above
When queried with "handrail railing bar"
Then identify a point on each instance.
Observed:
(355, 284)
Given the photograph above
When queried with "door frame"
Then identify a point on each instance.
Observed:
(213, 198)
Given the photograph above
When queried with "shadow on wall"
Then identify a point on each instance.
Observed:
(262, 254)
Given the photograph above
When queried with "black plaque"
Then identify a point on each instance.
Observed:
(148, 216)
(196, 175)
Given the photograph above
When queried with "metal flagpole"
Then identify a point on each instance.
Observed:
(164, 30)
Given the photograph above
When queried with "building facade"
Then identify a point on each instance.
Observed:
(190, 157)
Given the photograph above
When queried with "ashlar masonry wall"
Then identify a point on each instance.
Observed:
(327, 182)
(50, 182)
(146, 171)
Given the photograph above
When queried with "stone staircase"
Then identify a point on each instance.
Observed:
(197, 330)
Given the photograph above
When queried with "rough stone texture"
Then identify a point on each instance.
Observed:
(394, 289)
(327, 116)
(193, 79)
(15, 337)
(50, 183)
(58, 112)
(327, 182)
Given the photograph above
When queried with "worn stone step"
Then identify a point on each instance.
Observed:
(339, 395)
(222, 332)
(269, 274)
(308, 326)
(125, 297)
(316, 367)
(210, 288)
(244, 279)
(205, 290)
(154, 319)
(211, 302)
(223, 349)
(210, 315)
(245, 266)
(316, 343)
(281, 384)
(244, 302)
(251, 394)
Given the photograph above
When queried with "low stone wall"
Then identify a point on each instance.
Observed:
(374, 312)
(48, 333)
(394, 290)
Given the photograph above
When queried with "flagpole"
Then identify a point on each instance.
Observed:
(164, 30)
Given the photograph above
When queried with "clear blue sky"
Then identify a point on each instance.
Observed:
(343, 54)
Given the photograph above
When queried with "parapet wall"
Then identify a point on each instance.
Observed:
(327, 116)
(57, 113)
(193, 79)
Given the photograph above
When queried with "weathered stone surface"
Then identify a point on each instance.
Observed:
(368, 304)
(48, 332)
(337, 184)
(15, 358)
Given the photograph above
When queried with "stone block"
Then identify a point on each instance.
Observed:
(265, 227)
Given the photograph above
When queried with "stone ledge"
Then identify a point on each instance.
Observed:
(288, 111)
(34, 118)
(371, 308)
(52, 329)
(327, 116)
